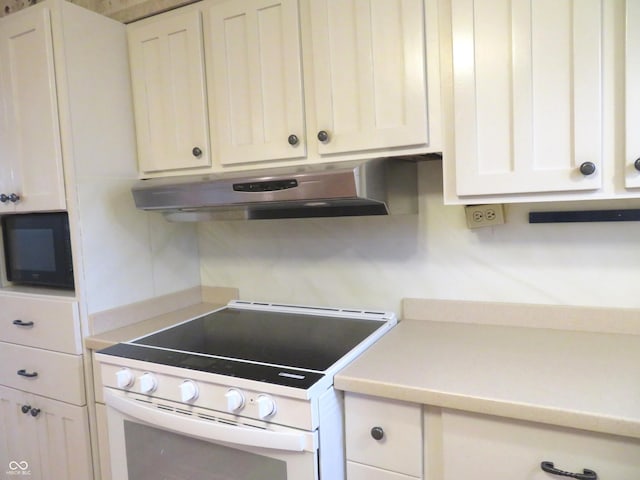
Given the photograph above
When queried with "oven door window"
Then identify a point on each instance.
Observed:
(140, 451)
(154, 454)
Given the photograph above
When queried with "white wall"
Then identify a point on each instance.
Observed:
(375, 262)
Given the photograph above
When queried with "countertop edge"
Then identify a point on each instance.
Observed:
(518, 411)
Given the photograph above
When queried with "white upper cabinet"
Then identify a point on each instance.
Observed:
(527, 96)
(31, 173)
(255, 75)
(170, 98)
(632, 164)
(285, 82)
(369, 74)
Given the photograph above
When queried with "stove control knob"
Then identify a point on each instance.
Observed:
(124, 378)
(235, 400)
(148, 383)
(188, 391)
(266, 407)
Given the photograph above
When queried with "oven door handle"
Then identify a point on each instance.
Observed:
(210, 430)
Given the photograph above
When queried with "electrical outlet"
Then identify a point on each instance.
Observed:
(484, 215)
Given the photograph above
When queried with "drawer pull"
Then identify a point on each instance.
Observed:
(377, 433)
(586, 475)
(25, 409)
(24, 373)
(20, 323)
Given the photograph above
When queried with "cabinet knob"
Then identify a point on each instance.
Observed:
(197, 152)
(4, 198)
(636, 164)
(587, 168)
(35, 412)
(25, 409)
(13, 198)
(586, 475)
(323, 136)
(24, 373)
(293, 140)
(377, 433)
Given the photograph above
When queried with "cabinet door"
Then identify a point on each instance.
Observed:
(31, 144)
(46, 438)
(254, 53)
(170, 100)
(369, 74)
(18, 435)
(527, 86)
(632, 65)
(485, 447)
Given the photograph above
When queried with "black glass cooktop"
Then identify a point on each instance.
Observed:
(262, 345)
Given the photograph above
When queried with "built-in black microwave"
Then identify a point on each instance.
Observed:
(37, 249)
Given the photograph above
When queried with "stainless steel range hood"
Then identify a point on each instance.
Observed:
(367, 187)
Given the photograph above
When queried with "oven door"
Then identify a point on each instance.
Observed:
(168, 441)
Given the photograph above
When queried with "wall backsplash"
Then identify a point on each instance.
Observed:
(374, 262)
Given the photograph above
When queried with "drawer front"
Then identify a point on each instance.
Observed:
(57, 375)
(480, 446)
(356, 471)
(43, 323)
(398, 426)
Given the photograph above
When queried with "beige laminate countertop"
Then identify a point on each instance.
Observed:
(586, 380)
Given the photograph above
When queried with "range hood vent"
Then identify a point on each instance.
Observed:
(368, 187)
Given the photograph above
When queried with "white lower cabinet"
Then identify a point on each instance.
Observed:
(43, 439)
(383, 437)
(487, 447)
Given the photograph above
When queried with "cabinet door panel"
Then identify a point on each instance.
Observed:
(480, 446)
(167, 68)
(18, 435)
(527, 95)
(53, 444)
(254, 53)
(632, 63)
(33, 146)
(369, 73)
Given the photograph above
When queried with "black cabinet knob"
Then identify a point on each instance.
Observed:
(197, 152)
(23, 373)
(636, 164)
(293, 140)
(4, 198)
(323, 136)
(35, 412)
(25, 409)
(377, 433)
(587, 168)
(13, 198)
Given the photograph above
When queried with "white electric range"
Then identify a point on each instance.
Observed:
(244, 392)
